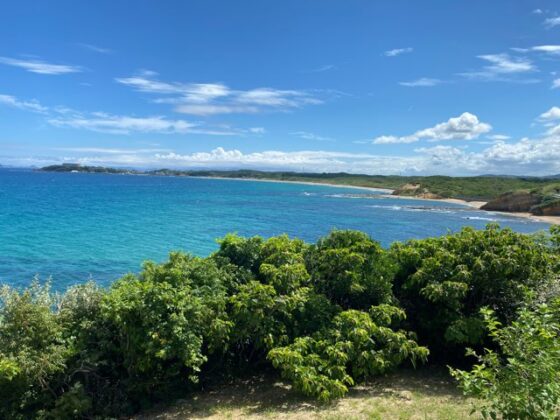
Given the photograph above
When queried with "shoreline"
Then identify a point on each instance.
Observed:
(553, 220)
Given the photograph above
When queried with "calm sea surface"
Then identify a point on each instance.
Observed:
(76, 226)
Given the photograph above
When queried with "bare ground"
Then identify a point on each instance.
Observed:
(424, 394)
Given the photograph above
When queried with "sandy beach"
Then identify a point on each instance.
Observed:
(387, 193)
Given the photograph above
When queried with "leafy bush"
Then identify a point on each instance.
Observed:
(444, 282)
(165, 322)
(351, 269)
(326, 315)
(522, 378)
(356, 346)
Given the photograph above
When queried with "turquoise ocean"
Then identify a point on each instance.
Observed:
(74, 226)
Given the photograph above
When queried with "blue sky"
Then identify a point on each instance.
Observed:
(424, 87)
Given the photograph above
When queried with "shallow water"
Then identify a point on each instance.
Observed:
(73, 226)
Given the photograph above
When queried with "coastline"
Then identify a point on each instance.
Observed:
(554, 220)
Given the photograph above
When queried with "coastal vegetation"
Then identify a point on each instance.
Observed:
(540, 196)
(325, 316)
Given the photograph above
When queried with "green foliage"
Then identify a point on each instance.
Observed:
(326, 315)
(166, 319)
(354, 347)
(33, 353)
(444, 282)
(555, 237)
(522, 378)
(351, 269)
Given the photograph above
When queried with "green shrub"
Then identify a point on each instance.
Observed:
(356, 346)
(326, 315)
(351, 269)
(444, 282)
(166, 321)
(522, 378)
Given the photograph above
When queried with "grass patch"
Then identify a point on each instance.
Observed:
(422, 394)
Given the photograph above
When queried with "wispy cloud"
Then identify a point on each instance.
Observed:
(398, 51)
(116, 124)
(110, 151)
(499, 137)
(555, 84)
(64, 117)
(552, 22)
(31, 105)
(39, 66)
(323, 68)
(464, 127)
(95, 48)
(422, 82)
(204, 99)
(503, 68)
(306, 135)
(547, 49)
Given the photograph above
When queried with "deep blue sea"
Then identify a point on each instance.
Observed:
(72, 226)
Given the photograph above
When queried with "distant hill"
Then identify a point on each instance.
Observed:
(533, 190)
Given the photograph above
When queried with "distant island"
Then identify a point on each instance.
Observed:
(534, 195)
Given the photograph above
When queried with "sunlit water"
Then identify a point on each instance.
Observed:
(74, 226)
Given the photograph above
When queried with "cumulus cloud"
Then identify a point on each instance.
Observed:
(31, 105)
(464, 127)
(40, 67)
(538, 156)
(524, 157)
(398, 51)
(552, 114)
(555, 84)
(205, 99)
(422, 82)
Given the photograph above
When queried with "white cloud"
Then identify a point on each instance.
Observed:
(32, 105)
(555, 84)
(539, 156)
(306, 135)
(95, 48)
(110, 151)
(116, 124)
(257, 130)
(552, 22)
(502, 67)
(207, 110)
(537, 12)
(398, 51)
(499, 137)
(205, 99)
(547, 49)
(321, 69)
(422, 82)
(464, 127)
(40, 67)
(552, 114)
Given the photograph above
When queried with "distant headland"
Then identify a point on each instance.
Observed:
(539, 196)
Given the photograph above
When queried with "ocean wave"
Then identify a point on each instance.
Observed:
(415, 208)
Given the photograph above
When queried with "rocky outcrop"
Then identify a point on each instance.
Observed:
(415, 190)
(547, 209)
(520, 201)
